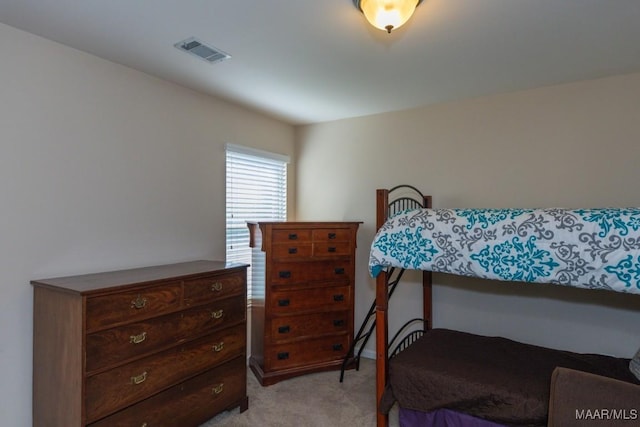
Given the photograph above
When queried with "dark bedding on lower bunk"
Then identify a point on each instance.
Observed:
(493, 378)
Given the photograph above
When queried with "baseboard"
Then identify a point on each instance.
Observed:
(367, 354)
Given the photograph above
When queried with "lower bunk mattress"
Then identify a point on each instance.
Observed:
(491, 378)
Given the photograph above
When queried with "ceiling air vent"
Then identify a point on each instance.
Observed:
(201, 50)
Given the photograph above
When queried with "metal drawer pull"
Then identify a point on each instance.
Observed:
(338, 298)
(283, 355)
(293, 236)
(284, 329)
(139, 302)
(137, 339)
(216, 287)
(139, 379)
(283, 302)
(337, 347)
(338, 322)
(218, 389)
(217, 314)
(331, 249)
(332, 236)
(339, 270)
(284, 274)
(218, 347)
(293, 251)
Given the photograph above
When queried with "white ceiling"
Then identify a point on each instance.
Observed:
(307, 61)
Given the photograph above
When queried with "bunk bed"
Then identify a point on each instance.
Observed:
(484, 381)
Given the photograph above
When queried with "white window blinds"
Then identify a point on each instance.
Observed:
(256, 185)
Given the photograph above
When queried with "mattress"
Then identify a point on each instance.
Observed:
(492, 378)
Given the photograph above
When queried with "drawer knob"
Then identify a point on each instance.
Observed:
(331, 249)
(139, 379)
(339, 270)
(283, 356)
(332, 236)
(338, 322)
(217, 314)
(216, 287)
(293, 251)
(283, 302)
(338, 298)
(284, 274)
(218, 347)
(293, 236)
(218, 389)
(139, 302)
(284, 329)
(137, 339)
(337, 347)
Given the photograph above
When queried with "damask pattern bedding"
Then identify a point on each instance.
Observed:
(587, 248)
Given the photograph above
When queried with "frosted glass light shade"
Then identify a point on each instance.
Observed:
(387, 14)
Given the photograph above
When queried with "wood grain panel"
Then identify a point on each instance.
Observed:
(283, 273)
(108, 391)
(307, 352)
(110, 310)
(116, 345)
(290, 328)
(207, 289)
(187, 404)
(333, 298)
(57, 358)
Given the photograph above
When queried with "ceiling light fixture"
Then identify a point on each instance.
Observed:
(387, 14)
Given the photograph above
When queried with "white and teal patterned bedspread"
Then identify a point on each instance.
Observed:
(587, 248)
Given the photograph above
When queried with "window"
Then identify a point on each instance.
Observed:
(256, 185)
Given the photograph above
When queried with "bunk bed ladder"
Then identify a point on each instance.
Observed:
(408, 197)
(367, 328)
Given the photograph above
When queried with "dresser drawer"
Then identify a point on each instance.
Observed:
(112, 390)
(306, 352)
(315, 299)
(115, 345)
(292, 250)
(293, 235)
(107, 310)
(295, 272)
(331, 235)
(310, 325)
(187, 404)
(331, 249)
(203, 290)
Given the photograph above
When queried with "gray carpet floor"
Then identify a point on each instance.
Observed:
(314, 400)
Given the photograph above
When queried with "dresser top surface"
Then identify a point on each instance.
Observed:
(306, 224)
(87, 283)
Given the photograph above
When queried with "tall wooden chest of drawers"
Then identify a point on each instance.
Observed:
(155, 346)
(302, 297)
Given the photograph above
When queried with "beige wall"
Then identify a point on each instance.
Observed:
(573, 145)
(102, 167)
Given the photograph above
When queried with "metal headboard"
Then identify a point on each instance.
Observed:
(404, 197)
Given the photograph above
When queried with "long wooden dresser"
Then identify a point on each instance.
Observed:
(155, 346)
(302, 297)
